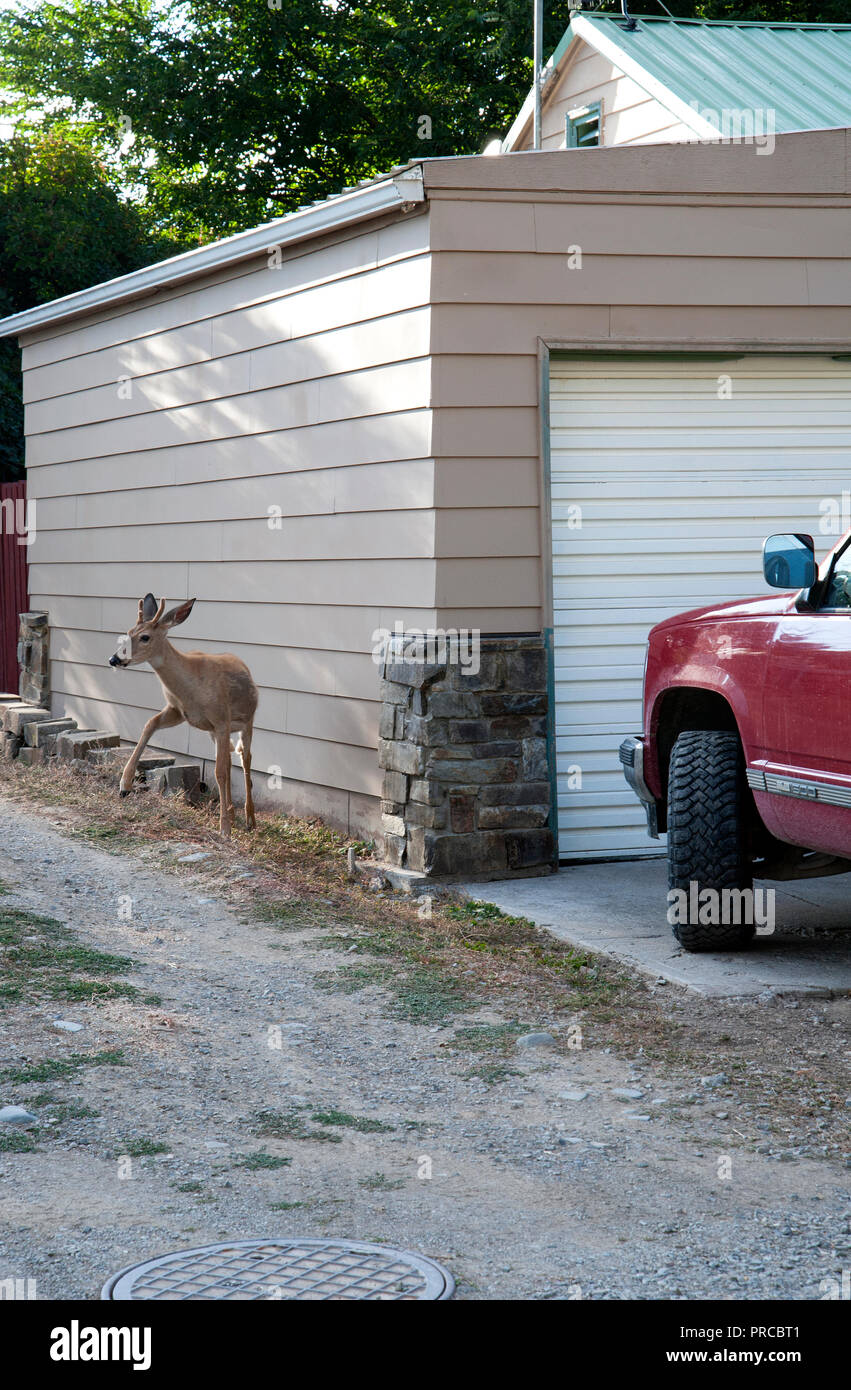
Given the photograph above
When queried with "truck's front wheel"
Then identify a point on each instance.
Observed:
(708, 805)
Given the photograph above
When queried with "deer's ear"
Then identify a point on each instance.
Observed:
(177, 615)
(148, 608)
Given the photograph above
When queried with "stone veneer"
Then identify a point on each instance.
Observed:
(467, 791)
(34, 658)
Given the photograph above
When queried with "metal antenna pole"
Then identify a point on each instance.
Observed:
(538, 63)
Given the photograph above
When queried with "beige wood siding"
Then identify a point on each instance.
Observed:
(161, 434)
(630, 116)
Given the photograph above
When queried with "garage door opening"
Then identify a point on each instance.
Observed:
(666, 476)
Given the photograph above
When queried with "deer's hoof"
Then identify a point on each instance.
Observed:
(122, 791)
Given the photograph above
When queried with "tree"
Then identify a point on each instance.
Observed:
(785, 11)
(63, 227)
(242, 111)
(225, 113)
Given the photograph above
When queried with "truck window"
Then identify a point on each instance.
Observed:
(839, 589)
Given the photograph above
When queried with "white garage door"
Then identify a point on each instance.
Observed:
(666, 478)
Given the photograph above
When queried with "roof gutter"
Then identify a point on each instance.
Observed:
(399, 192)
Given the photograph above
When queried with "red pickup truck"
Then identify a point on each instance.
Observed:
(745, 758)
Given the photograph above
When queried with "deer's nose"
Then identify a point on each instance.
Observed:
(116, 660)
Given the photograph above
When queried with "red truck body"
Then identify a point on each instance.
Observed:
(782, 672)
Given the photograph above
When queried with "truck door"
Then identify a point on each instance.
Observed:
(803, 782)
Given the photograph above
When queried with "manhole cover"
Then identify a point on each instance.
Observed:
(284, 1269)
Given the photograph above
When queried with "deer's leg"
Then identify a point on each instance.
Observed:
(223, 756)
(164, 720)
(245, 759)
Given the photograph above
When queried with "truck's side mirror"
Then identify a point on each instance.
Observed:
(789, 562)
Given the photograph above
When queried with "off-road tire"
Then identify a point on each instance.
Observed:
(708, 817)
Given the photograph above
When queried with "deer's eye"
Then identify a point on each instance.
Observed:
(144, 639)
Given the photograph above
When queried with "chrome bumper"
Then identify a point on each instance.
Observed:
(631, 754)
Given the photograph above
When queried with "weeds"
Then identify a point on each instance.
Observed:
(260, 1160)
(42, 959)
(359, 1122)
(143, 1148)
(59, 1069)
(17, 1143)
(491, 1073)
(488, 1037)
(276, 1124)
(379, 1182)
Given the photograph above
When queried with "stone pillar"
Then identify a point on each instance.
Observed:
(467, 789)
(34, 658)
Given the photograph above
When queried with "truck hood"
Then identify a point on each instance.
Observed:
(773, 606)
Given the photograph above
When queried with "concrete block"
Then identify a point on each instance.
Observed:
(44, 732)
(6, 711)
(9, 747)
(77, 745)
(170, 781)
(26, 714)
(30, 757)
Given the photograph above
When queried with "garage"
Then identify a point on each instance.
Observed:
(666, 474)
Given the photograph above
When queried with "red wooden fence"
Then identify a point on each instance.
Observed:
(13, 580)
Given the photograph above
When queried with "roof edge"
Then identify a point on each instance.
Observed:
(595, 29)
(399, 191)
(617, 54)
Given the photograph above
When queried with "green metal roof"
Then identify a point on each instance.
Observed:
(800, 71)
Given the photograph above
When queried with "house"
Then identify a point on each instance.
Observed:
(635, 81)
(548, 397)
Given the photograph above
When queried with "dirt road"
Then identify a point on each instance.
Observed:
(232, 1091)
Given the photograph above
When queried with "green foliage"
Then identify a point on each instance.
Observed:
(242, 112)
(11, 408)
(259, 1160)
(361, 1123)
(222, 116)
(780, 11)
(143, 1148)
(59, 1069)
(42, 958)
(63, 227)
(62, 224)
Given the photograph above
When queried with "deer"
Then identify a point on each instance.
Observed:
(213, 692)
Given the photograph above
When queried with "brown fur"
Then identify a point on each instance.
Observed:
(211, 692)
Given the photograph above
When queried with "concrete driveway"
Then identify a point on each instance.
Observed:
(620, 911)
